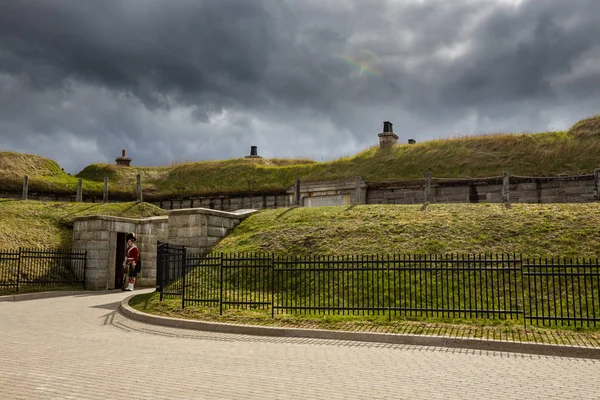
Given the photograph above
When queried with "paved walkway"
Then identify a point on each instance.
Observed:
(80, 347)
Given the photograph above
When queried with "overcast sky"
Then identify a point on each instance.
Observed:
(191, 80)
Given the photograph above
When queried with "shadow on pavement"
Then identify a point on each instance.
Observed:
(109, 306)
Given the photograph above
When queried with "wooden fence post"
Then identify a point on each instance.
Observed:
(505, 188)
(360, 198)
(596, 182)
(427, 187)
(297, 192)
(105, 193)
(79, 198)
(25, 187)
(139, 188)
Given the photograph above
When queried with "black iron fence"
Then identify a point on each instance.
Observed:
(546, 292)
(559, 291)
(32, 269)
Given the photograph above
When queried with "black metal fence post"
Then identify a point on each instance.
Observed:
(221, 285)
(183, 257)
(272, 285)
(523, 294)
(84, 266)
(389, 300)
(19, 269)
(159, 267)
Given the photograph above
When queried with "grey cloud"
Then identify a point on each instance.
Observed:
(202, 79)
(522, 64)
(148, 48)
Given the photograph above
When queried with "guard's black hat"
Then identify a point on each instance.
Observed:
(130, 236)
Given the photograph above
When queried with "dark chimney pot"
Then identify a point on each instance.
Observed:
(387, 126)
(387, 137)
(253, 151)
(123, 153)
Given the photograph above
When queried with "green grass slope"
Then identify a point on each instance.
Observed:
(573, 152)
(545, 154)
(44, 175)
(204, 177)
(587, 127)
(529, 229)
(49, 224)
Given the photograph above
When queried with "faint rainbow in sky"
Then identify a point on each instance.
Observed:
(365, 61)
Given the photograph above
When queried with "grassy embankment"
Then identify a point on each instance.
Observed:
(533, 230)
(573, 152)
(44, 175)
(35, 224)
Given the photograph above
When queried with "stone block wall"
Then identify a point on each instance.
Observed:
(227, 203)
(554, 191)
(569, 189)
(188, 229)
(566, 189)
(98, 236)
(150, 231)
(401, 194)
(93, 234)
(197, 229)
(330, 193)
(561, 189)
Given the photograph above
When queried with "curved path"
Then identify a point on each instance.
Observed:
(80, 347)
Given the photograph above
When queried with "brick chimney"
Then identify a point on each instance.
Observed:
(387, 138)
(123, 160)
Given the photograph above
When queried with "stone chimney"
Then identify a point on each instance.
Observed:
(123, 160)
(387, 138)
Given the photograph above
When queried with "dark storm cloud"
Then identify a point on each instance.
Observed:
(147, 48)
(519, 55)
(189, 80)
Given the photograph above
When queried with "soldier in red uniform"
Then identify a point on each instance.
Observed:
(131, 260)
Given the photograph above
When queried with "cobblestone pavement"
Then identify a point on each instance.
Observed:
(80, 347)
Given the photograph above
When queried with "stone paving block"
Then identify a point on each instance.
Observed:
(76, 348)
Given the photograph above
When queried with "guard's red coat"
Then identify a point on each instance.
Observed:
(133, 254)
